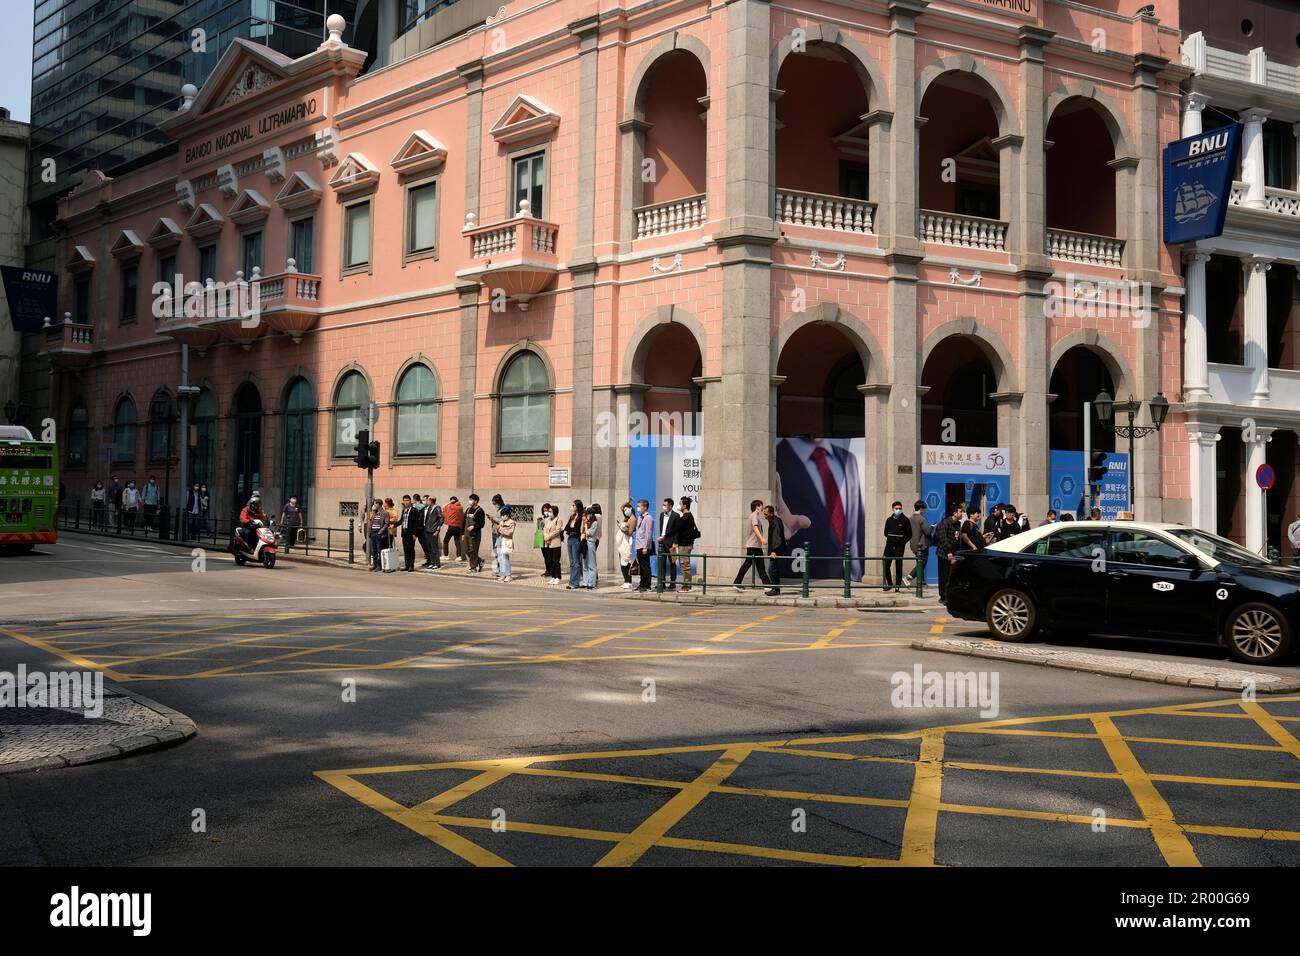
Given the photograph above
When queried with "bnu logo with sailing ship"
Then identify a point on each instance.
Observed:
(1198, 174)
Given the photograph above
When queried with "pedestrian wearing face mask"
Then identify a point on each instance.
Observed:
(624, 531)
(644, 542)
(291, 521)
(552, 536)
(898, 531)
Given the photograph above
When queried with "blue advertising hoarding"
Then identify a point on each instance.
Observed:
(976, 477)
(1198, 174)
(1065, 484)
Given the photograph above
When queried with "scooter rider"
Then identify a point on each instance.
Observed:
(252, 513)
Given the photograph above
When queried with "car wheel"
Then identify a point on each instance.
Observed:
(268, 559)
(1011, 615)
(1258, 634)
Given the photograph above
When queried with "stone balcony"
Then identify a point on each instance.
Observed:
(516, 256)
(675, 215)
(1085, 248)
(819, 211)
(967, 232)
(290, 301)
(68, 344)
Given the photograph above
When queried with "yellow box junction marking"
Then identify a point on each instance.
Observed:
(436, 820)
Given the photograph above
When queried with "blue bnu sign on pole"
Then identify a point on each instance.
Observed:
(1198, 182)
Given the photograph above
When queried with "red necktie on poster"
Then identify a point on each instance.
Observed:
(834, 506)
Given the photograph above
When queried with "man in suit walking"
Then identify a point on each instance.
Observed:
(819, 497)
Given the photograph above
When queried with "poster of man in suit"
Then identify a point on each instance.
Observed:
(819, 498)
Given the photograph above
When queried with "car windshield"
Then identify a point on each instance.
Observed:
(1216, 548)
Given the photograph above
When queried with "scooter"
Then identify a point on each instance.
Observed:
(263, 551)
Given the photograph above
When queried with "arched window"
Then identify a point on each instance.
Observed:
(78, 432)
(525, 407)
(203, 459)
(162, 422)
(350, 401)
(417, 412)
(299, 441)
(124, 431)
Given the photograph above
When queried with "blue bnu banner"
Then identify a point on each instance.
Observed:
(1198, 182)
(32, 295)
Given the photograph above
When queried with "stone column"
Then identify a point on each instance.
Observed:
(1196, 374)
(713, 537)
(1193, 104)
(901, 416)
(1252, 156)
(1030, 436)
(466, 405)
(1031, 200)
(879, 465)
(901, 143)
(1203, 437)
(472, 74)
(738, 441)
(1256, 272)
(1256, 502)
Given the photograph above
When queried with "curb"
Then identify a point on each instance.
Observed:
(179, 728)
(709, 600)
(1208, 677)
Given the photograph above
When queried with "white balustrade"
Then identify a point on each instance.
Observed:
(970, 232)
(1085, 247)
(675, 215)
(493, 241)
(825, 212)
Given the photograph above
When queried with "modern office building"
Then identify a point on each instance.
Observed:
(13, 245)
(1241, 371)
(849, 253)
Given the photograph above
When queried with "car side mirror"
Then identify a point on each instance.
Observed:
(1190, 562)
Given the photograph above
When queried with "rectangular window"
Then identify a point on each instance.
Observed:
(302, 243)
(167, 269)
(252, 253)
(130, 292)
(1279, 155)
(356, 236)
(422, 218)
(529, 177)
(854, 180)
(83, 301)
(207, 263)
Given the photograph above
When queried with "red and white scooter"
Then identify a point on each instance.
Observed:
(263, 551)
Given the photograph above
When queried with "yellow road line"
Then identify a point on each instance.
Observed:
(834, 632)
(632, 847)
(922, 823)
(422, 823)
(1169, 836)
(75, 659)
(1268, 723)
(1250, 833)
(1042, 815)
(595, 642)
(745, 627)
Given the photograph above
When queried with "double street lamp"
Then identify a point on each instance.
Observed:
(1106, 409)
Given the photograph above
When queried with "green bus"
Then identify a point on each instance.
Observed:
(29, 490)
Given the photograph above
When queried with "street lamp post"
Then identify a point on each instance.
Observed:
(1106, 409)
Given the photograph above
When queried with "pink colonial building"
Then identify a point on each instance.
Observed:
(892, 224)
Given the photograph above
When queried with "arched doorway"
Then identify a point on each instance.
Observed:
(247, 475)
(821, 447)
(300, 443)
(959, 409)
(670, 147)
(1077, 378)
(671, 366)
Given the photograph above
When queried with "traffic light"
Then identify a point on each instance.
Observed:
(1097, 468)
(362, 454)
(372, 454)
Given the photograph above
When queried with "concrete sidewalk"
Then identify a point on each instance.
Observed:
(44, 738)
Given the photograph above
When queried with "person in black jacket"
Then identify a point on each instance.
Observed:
(411, 522)
(898, 531)
(946, 541)
(775, 549)
(666, 541)
(684, 541)
(474, 521)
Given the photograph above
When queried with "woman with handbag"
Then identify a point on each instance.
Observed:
(552, 535)
(625, 529)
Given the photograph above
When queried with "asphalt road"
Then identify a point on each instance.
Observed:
(349, 718)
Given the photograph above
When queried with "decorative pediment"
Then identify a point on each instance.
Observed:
(298, 191)
(354, 174)
(81, 260)
(165, 234)
(127, 247)
(250, 78)
(206, 221)
(420, 153)
(244, 69)
(249, 207)
(525, 118)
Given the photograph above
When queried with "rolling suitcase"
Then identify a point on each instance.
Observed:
(389, 560)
